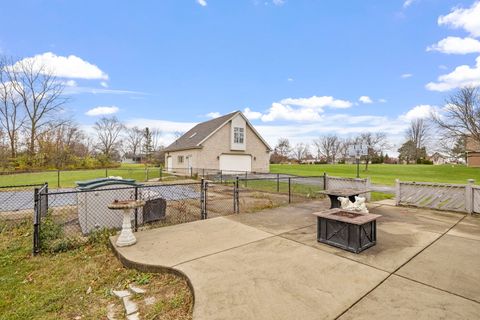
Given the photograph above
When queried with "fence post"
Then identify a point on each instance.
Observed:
(278, 182)
(289, 190)
(46, 197)
(202, 199)
(205, 198)
(367, 186)
(397, 192)
(136, 211)
(325, 177)
(469, 196)
(221, 176)
(237, 192)
(146, 174)
(36, 223)
(106, 172)
(161, 173)
(58, 179)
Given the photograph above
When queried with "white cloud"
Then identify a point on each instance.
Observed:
(408, 3)
(78, 90)
(279, 111)
(315, 102)
(252, 115)
(406, 75)
(64, 67)
(102, 111)
(365, 99)
(456, 45)
(104, 84)
(203, 3)
(213, 115)
(382, 100)
(465, 18)
(462, 76)
(70, 83)
(290, 79)
(419, 112)
(278, 2)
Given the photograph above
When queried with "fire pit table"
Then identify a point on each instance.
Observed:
(349, 193)
(126, 237)
(346, 229)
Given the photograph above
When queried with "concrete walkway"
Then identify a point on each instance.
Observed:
(268, 265)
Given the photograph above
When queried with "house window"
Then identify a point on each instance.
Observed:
(180, 159)
(238, 135)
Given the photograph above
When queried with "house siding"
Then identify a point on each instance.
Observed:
(220, 143)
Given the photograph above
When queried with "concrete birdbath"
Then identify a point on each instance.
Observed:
(126, 237)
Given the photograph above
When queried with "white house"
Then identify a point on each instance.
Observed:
(227, 143)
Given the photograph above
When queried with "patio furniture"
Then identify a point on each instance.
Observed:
(126, 237)
(349, 193)
(346, 229)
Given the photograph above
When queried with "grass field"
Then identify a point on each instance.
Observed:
(68, 178)
(385, 173)
(57, 286)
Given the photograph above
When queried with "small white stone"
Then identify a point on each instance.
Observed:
(89, 290)
(130, 306)
(133, 316)
(121, 293)
(111, 312)
(136, 290)
(149, 301)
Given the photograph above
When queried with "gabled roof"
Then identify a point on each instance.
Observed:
(194, 137)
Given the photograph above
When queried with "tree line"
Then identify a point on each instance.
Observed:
(35, 135)
(445, 132)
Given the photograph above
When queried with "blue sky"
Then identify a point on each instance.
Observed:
(300, 68)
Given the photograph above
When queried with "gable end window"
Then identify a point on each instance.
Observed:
(238, 135)
(180, 159)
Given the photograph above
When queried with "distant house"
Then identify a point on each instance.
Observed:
(133, 158)
(472, 148)
(228, 143)
(438, 158)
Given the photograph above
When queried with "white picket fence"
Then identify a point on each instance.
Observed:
(350, 183)
(439, 196)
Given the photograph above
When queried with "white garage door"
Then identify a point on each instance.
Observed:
(235, 163)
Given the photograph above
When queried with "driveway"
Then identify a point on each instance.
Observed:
(268, 265)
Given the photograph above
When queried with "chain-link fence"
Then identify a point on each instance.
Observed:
(67, 178)
(62, 218)
(17, 202)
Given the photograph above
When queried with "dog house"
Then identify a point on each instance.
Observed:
(94, 198)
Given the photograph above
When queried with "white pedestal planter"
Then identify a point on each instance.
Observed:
(126, 238)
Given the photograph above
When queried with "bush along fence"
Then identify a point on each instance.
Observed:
(439, 196)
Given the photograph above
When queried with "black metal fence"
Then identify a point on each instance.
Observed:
(63, 218)
(67, 178)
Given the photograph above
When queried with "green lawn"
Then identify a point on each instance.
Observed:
(68, 178)
(386, 173)
(76, 284)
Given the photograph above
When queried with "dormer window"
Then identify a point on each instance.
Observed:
(238, 135)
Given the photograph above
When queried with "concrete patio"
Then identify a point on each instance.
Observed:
(268, 265)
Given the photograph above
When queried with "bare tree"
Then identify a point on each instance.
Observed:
(328, 147)
(417, 132)
(156, 135)
(134, 139)
(11, 117)
(39, 93)
(108, 134)
(462, 114)
(283, 147)
(300, 151)
(375, 143)
(344, 146)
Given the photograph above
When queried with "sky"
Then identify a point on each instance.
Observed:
(297, 68)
